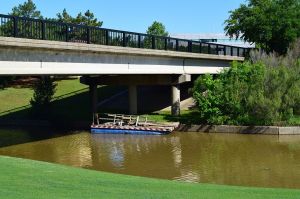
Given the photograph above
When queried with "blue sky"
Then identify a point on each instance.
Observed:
(179, 16)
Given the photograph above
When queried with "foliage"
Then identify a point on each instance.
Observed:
(88, 18)
(5, 80)
(27, 9)
(44, 90)
(249, 94)
(157, 29)
(272, 24)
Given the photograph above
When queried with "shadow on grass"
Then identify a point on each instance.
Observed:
(70, 107)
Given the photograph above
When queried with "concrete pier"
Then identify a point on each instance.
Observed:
(175, 97)
(93, 97)
(132, 94)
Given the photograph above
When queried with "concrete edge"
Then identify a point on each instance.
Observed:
(93, 48)
(229, 129)
(265, 130)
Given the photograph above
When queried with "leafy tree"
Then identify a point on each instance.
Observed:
(265, 91)
(158, 29)
(27, 9)
(88, 18)
(272, 24)
(44, 90)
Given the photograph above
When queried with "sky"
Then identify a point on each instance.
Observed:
(179, 16)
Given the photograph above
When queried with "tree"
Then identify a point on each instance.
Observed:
(158, 29)
(44, 90)
(88, 18)
(27, 9)
(272, 24)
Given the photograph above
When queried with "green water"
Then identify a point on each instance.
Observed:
(246, 160)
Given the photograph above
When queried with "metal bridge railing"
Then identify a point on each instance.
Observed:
(12, 26)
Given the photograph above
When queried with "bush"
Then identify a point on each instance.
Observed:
(249, 94)
(44, 90)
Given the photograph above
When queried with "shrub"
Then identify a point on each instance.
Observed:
(44, 90)
(249, 94)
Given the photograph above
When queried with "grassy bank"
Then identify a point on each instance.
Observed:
(70, 103)
(21, 178)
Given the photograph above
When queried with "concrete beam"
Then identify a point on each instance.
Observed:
(92, 48)
(37, 57)
(136, 79)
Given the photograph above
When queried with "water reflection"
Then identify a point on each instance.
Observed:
(249, 160)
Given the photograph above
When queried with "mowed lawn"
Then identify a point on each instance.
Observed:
(18, 98)
(20, 178)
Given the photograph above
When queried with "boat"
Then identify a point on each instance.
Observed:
(129, 124)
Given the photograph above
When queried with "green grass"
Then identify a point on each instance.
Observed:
(20, 178)
(186, 117)
(71, 102)
(18, 98)
(295, 121)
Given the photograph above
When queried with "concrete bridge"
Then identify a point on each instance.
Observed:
(107, 57)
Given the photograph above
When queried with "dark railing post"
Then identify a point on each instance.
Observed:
(231, 51)
(217, 49)
(124, 39)
(15, 26)
(153, 42)
(166, 44)
(238, 51)
(190, 46)
(208, 49)
(67, 33)
(225, 49)
(88, 35)
(200, 48)
(43, 30)
(106, 37)
(176, 45)
(139, 40)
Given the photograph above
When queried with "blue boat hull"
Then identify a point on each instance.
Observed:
(126, 131)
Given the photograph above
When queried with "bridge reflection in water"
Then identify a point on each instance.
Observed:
(247, 160)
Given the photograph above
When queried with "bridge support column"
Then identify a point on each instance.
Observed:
(175, 97)
(93, 97)
(132, 93)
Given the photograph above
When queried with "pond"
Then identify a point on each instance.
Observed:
(230, 159)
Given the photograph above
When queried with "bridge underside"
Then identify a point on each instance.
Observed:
(133, 81)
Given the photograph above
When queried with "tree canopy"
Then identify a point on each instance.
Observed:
(88, 18)
(157, 28)
(27, 9)
(272, 24)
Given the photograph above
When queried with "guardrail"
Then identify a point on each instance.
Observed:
(12, 26)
